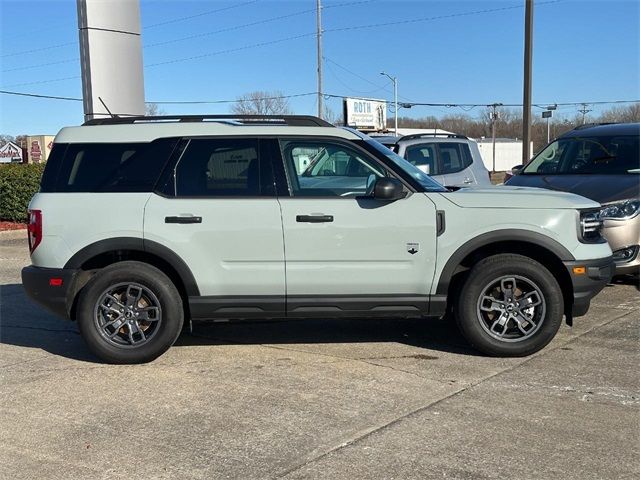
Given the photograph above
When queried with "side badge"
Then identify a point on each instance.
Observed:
(413, 248)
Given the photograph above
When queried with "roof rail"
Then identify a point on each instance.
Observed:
(594, 124)
(434, 134)
(290, 120)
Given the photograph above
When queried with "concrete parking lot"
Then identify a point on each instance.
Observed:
(318, 399)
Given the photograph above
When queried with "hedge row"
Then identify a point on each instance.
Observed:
(18, 183)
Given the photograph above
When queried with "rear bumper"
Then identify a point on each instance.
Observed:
(587, 285)
(53, 288)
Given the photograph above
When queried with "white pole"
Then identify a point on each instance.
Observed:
(395, 101)
(319, 36)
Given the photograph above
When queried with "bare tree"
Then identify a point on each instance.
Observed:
(152, 110)
(330, 116)
(6, 139)
(262, 103)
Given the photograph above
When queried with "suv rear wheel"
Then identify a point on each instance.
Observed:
(130, 312)
(510, 305)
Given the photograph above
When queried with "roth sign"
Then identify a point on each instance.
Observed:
(365, 114)
(10, 153)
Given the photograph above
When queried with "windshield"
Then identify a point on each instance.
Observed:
(428, 183)
(612, 155)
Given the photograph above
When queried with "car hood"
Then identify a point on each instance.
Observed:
(601, 188)
(516, 197)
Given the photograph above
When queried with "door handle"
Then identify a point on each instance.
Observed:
(314, 218)
(183, 219)
(467, 180)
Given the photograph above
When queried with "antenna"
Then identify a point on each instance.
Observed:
(107, 108)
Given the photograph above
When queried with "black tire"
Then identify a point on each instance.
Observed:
(154, 285)
(490, 272)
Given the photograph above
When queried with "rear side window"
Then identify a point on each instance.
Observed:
(454, 157)
(439, 158)
(219, 167)
(112, 167)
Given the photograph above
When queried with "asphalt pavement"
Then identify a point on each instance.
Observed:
(318, 399)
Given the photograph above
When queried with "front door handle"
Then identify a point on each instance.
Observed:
(467, 180)
(183, 219)
(314, 218)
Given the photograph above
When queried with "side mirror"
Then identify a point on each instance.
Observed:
(388, 189)
(516, 169)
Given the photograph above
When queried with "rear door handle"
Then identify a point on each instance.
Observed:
(314, 218)
(183, 219)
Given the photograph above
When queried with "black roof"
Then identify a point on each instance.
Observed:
(604, 129)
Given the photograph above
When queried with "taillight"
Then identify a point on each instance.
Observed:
(34, 229)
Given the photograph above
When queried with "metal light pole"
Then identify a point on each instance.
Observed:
(526, 103)
(395, 99)
(494, 117)
(548, 114)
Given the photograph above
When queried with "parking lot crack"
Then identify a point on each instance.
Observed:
(362, 434)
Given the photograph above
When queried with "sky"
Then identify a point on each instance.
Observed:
(440, 51)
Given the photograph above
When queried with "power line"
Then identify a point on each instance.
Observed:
(213, 102)
(438, 17)
(329, 95)
(231, 50)
(42, 49)
(190, 37)
(35, 95)
(29, 67)
(340, 29)
(229, 29)
(39, 82)
(202, 14)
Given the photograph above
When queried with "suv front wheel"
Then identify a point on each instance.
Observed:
(509, 305)
(130, 312)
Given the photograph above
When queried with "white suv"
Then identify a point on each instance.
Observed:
(450, 159)
(142, 223)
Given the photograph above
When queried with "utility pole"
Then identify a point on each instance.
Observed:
(395, 99)
(494, 117)
(319, 36)
(526, 102)
(584, 110)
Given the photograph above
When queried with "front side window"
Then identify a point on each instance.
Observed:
(588, 155)
(325, 168)
(219, 167)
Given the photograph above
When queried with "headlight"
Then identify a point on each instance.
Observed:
(621, 210)
(590, 226)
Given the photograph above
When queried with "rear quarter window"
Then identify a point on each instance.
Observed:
(107, 167)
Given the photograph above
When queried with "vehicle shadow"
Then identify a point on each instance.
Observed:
(632, 280)
(25, 324)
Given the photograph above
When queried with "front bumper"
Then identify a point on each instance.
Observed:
(597, 273)
(53, 288)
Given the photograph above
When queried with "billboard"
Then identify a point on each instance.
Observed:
(10, 153)
(368, 115)
(39, 148)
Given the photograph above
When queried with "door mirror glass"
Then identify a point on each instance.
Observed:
(389, 189)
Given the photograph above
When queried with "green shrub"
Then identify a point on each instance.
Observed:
(18, 183)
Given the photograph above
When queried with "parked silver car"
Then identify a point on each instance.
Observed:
(450, 159)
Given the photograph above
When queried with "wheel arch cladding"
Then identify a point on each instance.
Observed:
(534, 245)
(107, 252)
